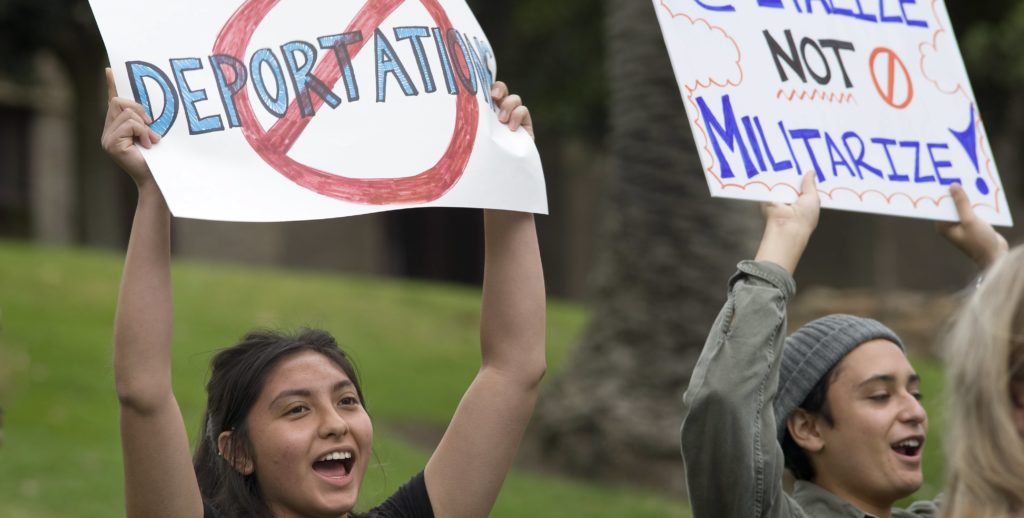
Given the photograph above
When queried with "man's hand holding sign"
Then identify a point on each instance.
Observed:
(870, 97)
(267, 113)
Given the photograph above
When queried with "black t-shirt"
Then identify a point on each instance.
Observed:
(410, 501)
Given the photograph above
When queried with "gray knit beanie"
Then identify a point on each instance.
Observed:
(815, 348)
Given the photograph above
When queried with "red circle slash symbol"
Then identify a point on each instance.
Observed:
(888, 88)
(273, 145)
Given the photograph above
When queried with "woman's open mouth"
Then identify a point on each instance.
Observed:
(336, 467)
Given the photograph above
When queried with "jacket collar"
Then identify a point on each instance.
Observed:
(816, 501)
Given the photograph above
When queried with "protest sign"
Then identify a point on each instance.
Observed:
(308, 109)
(871, 96)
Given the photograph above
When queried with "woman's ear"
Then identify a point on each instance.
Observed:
(234, 454)
(803, 426)
(1017, 397)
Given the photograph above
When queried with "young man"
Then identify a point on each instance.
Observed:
(839, 398)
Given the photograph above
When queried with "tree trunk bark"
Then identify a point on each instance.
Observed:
(665, 253)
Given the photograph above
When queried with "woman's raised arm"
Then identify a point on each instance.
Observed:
(159, 478)
(465, 473)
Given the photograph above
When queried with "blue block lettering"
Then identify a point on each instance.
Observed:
(484, 68)
(858, 158)
(303, 79)
(388, 63)
(807, 135)
(939, 164)
(415, 35)
(339, 44)
(837, 157)
(916, 146)
(278, 104)
(446, 63)
(468, 80)
(718, 8)
(138, 72)
(883, 17)
(893, 175)
(190, 97)
(911, 23)
(776, 166)
(730, 133)
(229, 90)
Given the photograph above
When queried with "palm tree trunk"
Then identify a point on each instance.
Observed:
(665, 253)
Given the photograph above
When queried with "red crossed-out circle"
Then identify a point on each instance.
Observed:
(273, 145)
(888, 92)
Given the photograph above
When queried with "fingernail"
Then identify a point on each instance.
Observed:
(503, 115)
(495, 91)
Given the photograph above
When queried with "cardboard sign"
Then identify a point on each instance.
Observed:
(308, 109)
(869, 95)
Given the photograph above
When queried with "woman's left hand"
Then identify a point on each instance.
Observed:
(512, 110)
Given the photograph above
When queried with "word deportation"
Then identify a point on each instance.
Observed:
(880, 158)
(463, 63)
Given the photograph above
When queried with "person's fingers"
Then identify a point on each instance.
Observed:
(809, 192)
(507, 105)
(117, 105)
(498, 91)
(946, 228)
(809, 184)
(962, 202)
(520, 116)
(123, 117)
(124, 104)
(113, 110)
(114, 129)
(126, 129)
(140, 132)
(111, 87)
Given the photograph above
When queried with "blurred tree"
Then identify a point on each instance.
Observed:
(991, 38)
(552, 54)
(666, 249)
(665, 253)
(66, 29)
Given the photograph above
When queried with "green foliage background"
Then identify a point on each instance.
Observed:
(416, 345)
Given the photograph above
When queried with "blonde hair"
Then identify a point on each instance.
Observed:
(984, 356)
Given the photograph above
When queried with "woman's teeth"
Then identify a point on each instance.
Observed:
(338, 455)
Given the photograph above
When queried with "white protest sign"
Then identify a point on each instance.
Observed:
(308, 109)
(869, 95)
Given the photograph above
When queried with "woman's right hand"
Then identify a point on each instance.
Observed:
(788, 226)
(126, 127)
(972, 235)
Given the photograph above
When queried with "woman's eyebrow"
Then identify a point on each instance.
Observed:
(888, 378)
(304, 392)
(301, 392)
(341, 385)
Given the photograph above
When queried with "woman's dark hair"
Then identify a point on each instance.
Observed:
(237, 377)
(816, 402)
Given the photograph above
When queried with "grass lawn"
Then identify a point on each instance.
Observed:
(416, 344)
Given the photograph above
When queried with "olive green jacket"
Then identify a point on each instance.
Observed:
(734, 464)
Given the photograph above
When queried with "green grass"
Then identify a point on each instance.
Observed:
(415, 343)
